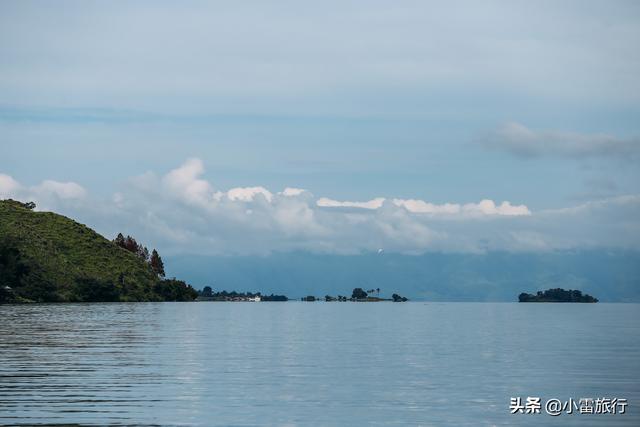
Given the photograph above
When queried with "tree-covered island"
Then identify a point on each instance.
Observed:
(358, 295)
(557, 295)
(207, 294)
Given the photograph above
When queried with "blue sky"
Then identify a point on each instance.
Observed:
(537, 104)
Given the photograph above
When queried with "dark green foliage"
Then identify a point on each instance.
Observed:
(18, 280)
(6, 295)
(309, 298)
(36, 286)
(46, 257)
(12, 267)
(398, 298)
(207, 294)
(329, 298)
(18, 204)
(175, 290)
(358, 293)
(156, 263)
(93, 290)
(557, 295)
(119, 240)
(273, 297)
(130, 244)
(143, 253)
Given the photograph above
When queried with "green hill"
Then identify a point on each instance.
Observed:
(48, 257)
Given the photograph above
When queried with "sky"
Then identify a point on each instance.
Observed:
(336, 127)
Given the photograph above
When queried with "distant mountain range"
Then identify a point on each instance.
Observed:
(613, 276)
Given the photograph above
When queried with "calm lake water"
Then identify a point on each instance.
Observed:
(314, 363)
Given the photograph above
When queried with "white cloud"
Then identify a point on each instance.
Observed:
(63, 190)
(488, 207)
(45, 194)
(484, 207)
(330, 203)
(8, 186)
(519, 140)
(420, 206)
(184, 183)
(292, 192)
(182, 212)
(247, 194)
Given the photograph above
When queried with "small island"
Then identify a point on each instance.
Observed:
(357, 295)
(557, 295)
(207, 294)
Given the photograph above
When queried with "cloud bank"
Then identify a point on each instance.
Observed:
(521, 141)
(48, 193)
(187, 54)
(181, 212)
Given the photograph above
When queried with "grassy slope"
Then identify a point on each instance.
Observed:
(63, 251)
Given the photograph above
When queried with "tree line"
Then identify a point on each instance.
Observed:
(358, 294)
(208, 294)
(154, 260)
(557, 295)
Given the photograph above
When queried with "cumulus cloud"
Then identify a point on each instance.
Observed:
(8, 186)
(330, 203)
(181, 211)
(247, 194)
(46, 194)
(420, 206)
(184, 183)
(521, 141)
(63, 190)
(484, 207)
(292, 192)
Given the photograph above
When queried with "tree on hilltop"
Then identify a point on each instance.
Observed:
(143, 253)
(130, 244)
(156, 263)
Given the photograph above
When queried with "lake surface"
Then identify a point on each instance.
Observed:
(300, 363)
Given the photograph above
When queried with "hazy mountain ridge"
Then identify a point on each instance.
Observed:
(611, 276)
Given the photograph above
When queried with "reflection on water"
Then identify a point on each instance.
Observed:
(313, 363)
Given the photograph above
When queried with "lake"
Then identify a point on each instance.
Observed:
(245, 364)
